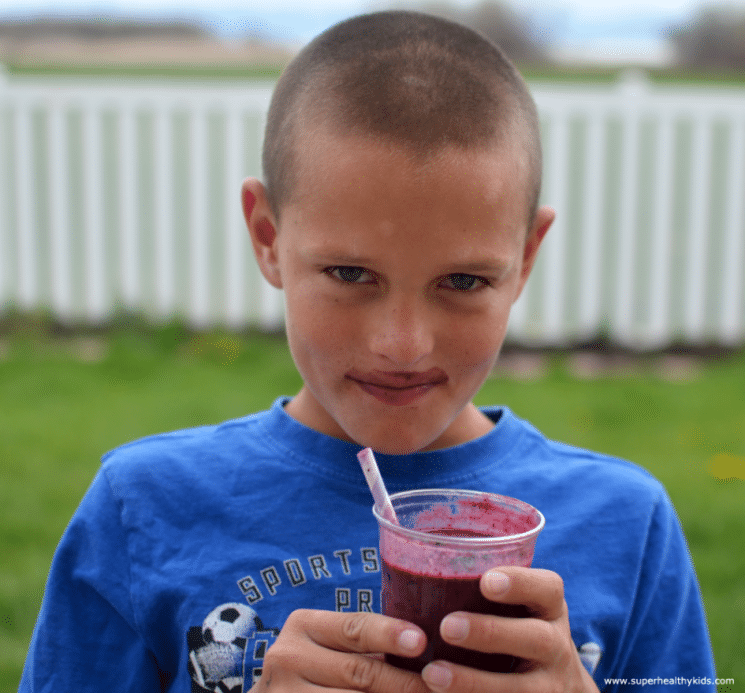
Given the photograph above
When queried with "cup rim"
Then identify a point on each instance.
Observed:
(445, 540)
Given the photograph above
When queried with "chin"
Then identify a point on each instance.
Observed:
(396, 442)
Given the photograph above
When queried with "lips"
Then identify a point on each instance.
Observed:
(398, 388)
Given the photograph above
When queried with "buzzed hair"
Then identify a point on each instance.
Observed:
(419, 81)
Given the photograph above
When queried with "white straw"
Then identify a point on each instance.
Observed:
(377, 487)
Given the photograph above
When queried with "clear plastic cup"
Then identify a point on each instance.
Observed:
(433, 561)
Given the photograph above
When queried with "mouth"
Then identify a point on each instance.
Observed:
(398, 388)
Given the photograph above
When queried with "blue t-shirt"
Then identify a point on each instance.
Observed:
(191, 548)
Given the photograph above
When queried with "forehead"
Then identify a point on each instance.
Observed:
(332, 165)
(363, 197)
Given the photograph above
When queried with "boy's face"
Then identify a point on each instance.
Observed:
(399, 278)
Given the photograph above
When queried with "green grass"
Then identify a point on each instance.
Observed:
(540, 73)
(601, 74)
(149, 70)
(66, 399)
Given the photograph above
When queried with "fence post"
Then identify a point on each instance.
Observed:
(633, 89)
(590, 311)
(130, 277)
(27, 291)
(5, 281)
(732, 286)
(165, 294)
(657, 331)
(58, 161)
(236, 235)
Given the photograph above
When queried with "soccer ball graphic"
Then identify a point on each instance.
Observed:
(218, 664)
(230, 623)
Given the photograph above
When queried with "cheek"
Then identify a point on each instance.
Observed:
(483, 332)
(475, 346)
(314, 329)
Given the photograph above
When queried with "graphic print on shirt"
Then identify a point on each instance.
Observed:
(219, 647)
(226, 651)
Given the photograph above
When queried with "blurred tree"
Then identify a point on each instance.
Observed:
(503, 25)
(713, 39)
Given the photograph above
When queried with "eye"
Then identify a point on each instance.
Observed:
(464, 282)
(350, 275)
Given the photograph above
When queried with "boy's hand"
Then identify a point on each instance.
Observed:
(550, 661)
(325, 649)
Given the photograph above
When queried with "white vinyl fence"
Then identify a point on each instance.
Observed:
(124, 195)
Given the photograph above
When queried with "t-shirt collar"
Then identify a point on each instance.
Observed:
(452, 466)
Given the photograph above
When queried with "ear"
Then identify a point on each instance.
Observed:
(541, 224)
(262, 227)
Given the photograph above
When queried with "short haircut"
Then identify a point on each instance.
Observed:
(419, 81)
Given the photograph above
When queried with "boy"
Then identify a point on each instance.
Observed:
(400, 216)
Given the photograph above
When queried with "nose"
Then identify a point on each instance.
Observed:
(402, 332)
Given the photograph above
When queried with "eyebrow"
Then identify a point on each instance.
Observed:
(479, 267)
(332, 257)
(335, 257)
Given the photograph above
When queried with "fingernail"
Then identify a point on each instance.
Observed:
(496, 583)
(454, 627)
(410, 640)
(437, 676)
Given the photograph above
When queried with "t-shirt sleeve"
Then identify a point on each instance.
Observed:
(667, 640)
(86, 636)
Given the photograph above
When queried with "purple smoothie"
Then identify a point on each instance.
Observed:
(433, 562)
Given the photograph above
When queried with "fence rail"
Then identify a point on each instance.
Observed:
(124, 195)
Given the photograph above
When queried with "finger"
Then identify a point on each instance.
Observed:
(528, 639)
(444, 677)
(363, 632)
(356, 672)
(349, 671)
(541, 591)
